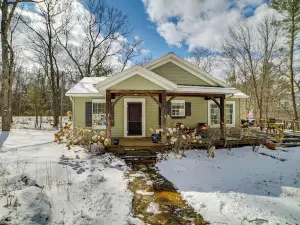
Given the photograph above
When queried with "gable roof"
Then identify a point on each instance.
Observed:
(136, 70)
(96, 86)
(191, 68)
(85, 87)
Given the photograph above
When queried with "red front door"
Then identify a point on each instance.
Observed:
(134, 118)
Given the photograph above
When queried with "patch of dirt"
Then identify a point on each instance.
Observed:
(156, 200)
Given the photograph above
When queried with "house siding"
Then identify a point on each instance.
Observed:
(136, 82)
(118, 128)
(79, 110)
(243, 112)
(199, 112)
(199, 107)
(178, 75)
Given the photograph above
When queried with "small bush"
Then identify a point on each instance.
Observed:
(87, 137)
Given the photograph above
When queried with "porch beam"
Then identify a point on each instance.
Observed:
(118, 99)
(215, 101)
(170, 99)
(154, 99)
(163, 117)
(108, 116)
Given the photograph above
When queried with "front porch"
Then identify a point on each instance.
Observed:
(162, 99)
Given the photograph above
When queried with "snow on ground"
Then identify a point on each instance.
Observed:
(28, 122)
(78, 189)
(238, 185)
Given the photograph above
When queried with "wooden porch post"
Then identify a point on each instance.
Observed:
(163, 117)
(108, 116)
(222, 116)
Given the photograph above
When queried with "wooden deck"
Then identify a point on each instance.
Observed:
(136, 144)
(145, 144)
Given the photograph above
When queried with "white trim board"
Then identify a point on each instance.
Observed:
(143, 101)
(209, 102)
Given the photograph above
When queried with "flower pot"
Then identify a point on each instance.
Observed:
(155, 138)
(116, 141)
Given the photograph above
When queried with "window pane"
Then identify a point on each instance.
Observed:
(229, 113)
(99, 114)
(214, 114)
(178, 109)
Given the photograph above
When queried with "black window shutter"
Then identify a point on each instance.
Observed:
(188, 109)
(88, 114)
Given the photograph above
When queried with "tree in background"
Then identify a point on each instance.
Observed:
(8, 8)
(204, 58)
(290, 10)
(46, 46)
(250, 50)
(103, 38)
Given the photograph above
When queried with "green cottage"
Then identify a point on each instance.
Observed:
(158, 94)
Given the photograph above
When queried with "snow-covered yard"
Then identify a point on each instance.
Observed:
(78, 189)
(28, 122)
(240, 185)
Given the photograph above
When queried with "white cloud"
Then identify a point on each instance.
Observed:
(198, 23)
(171, 33)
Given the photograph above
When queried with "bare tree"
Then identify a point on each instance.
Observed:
(8, 8)
(268, 33)
(129, 51)
(104, 29)
(204, 58)
(290, 10)
(252, 52)
(46, 47)
(239, 47)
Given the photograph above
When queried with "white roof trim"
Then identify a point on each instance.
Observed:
(240, 95)
(196, 71)
(100, 95)
(136, 70)
(206, 90)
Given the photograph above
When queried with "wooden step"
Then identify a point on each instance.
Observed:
(292, 135)
(290, 140)
(287, 145)
(138, 152)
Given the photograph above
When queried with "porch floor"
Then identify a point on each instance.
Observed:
(137, 142)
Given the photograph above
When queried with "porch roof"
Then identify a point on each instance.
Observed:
(85, 87)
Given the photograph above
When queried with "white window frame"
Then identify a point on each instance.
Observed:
(177, 101)
(210, 102)
(98, 127)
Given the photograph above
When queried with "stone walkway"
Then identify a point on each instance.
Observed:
(156, 201)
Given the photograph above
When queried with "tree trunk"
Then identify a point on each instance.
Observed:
(291, 69)
(6, 76)
(55, 109)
